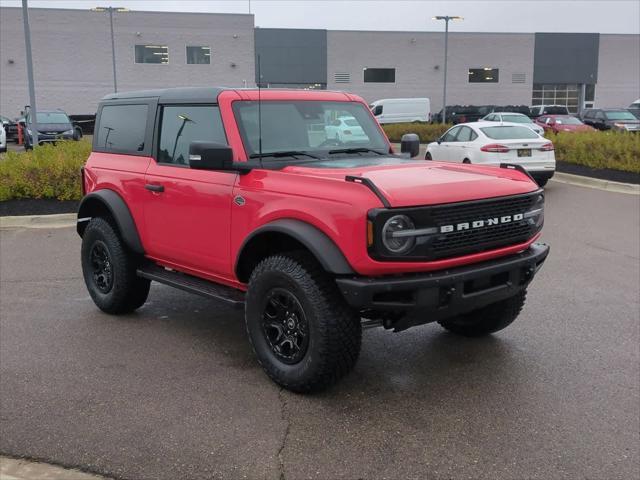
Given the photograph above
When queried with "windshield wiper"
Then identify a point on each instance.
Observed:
(291, 153)
(355, 150)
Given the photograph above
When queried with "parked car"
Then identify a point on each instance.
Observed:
(53, 126)
(464, 113)
(10, 128)
(538, 110)
(635, 108)
(509, 117)
(487, 143)
(618, 119)
(562, 123)
(345, 130)
(308, 236)
(399, 110)
(3, 139)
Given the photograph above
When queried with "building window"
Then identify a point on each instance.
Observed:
(152, 54)
(563, 94)
(199, 55)
(484, 75)
(379, 75)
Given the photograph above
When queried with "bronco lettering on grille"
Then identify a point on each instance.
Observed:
(481, 223)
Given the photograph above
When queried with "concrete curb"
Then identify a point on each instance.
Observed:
(22, 469)
(61, 220)
(597, 183)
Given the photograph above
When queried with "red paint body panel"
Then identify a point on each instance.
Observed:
(195, 226)
(563, 127)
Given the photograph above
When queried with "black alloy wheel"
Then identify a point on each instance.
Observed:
(102, 271)
(285, 326)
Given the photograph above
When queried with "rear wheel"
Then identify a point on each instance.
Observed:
(541, 181)
(109, 270)
(428, 156)
(486, 320)
(466, 160)
(304, 335)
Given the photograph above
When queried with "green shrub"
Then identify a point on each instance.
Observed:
(428, 132)
(49, 171)
(615, 150)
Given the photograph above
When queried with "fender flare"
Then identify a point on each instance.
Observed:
(315, 240)
(119, 212)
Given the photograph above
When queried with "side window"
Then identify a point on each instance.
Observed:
(377, 110)
(121, 128)
(464, 135)
(474, 135)
(451, 135)
(600, 116)
(182, 124)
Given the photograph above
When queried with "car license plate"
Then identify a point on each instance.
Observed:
(524, 152)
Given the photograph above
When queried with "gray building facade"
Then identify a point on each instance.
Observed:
(72, 61)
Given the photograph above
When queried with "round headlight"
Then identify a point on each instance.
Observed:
(398, 244)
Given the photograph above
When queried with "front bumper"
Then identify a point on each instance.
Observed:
(429, 297)
(50, 138)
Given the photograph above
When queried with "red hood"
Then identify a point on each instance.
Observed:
(427, 183)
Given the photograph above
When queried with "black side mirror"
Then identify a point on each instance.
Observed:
(210, 156)
(410, 143)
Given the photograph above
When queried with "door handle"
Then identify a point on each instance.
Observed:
(154, 188)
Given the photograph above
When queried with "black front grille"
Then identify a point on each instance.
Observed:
(465, 241)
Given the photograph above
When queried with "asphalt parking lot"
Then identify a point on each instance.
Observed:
(173, 391)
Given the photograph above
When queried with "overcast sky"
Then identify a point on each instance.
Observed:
(602, 16)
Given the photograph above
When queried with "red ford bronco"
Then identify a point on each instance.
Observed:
(293, 206)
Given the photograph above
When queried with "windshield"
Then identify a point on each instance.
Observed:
(516, 119)
(52, 117)
(312, 127)
(568, 121)
(621, 115)
(508, 133)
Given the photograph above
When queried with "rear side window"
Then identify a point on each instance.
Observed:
(121, 129)
(183, 124)
(507, 133)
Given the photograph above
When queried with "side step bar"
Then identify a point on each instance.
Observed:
(192, 284)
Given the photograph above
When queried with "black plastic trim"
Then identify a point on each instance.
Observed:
(318, 243)
(520, 168)
(120, 213)
(371, 186)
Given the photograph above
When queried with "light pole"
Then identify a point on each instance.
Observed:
(446, 19)
(32, 88)
(113, 43)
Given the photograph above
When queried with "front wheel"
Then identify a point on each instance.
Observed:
(487, 320)
(304, 335)
(109, 270)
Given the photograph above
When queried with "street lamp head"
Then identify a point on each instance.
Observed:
(446, 17)
(112, 9)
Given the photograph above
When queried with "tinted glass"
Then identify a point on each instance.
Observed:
(516, 119)
(152, 54)
(308, 126)
(122, 128)
(508, 133)
(379, 75)
(484, 75)
(52, 117)
(199, 55)
(621, 115)
(464, 135)
(451, 135)
(183, 124)
(377, 110)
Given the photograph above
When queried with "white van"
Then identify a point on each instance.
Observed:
(399, 110)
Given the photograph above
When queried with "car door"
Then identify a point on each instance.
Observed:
(461, 149)
(187, 211)
(600, 121)
(442, 151)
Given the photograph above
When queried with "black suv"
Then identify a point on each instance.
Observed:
(619, 119)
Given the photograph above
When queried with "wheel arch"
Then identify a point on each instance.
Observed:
(108, 203)
(286, 235)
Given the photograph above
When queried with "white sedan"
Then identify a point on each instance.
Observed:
(513, 117)
(487, 143)
(345, 130)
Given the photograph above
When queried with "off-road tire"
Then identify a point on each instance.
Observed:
(334, 329)
(127, 291)
(487, 320)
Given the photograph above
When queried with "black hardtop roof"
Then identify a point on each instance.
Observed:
(179, 94)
